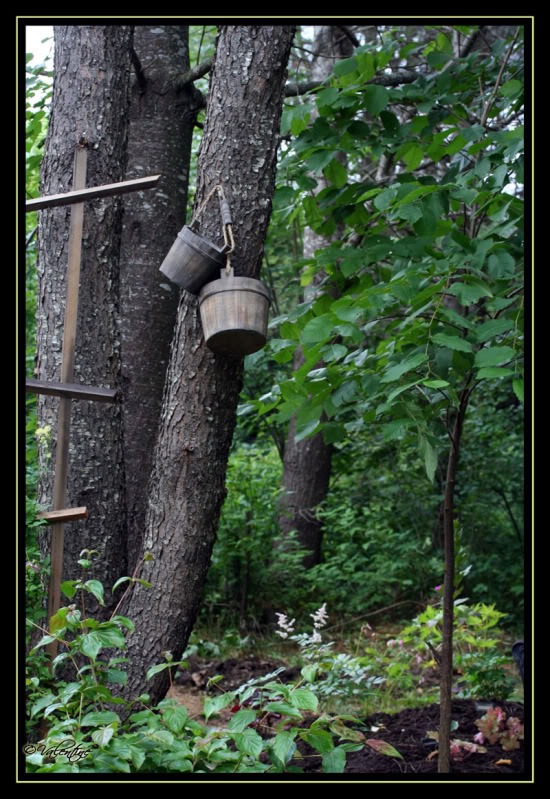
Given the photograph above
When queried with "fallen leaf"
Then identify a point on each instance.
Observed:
(503, 763)
(383, 748)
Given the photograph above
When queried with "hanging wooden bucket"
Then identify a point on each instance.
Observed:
(193, 260)
(234, 313)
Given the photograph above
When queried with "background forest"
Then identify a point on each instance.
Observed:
(394, 258)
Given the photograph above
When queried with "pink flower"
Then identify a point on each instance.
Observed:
(438, 588)
(479, 738)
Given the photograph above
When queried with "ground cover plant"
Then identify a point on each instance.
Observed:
(273, 727)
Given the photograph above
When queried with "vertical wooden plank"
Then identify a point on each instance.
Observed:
(67, 368)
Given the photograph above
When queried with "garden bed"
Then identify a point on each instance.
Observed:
(407, 731)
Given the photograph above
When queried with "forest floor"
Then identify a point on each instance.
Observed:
(406, 730)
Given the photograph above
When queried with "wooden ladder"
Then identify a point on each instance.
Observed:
(66, 389)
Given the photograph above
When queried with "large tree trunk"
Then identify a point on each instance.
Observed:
(307, 463)
(238, 150)
(161, 129)
(91, 79)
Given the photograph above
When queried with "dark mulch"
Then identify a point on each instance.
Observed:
(406, 731)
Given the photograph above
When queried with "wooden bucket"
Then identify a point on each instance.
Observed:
(234, 313)
(192, 260)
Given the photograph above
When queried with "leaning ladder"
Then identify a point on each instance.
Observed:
(66, 389)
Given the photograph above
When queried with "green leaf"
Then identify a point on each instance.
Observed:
(336, 173)
(517, 385)
(435, 383)
(248, 742)
(321, 740)
(304, 699)
(95, 588)
(511, 87)
(457, 144)
(501, 265)
(319, 160)
(308, 429)
(284, 708)
(175, 717)
(308, 673)
(344, 392)
(333, 352)
(99, 718)
(376, 98)
(317, 329)
(494, 327)
(395, 372)
(346, 66)
(218, 703)
(242, 719)
(468, 294)
(334, 762)
(413, 157)
(495, 371)
(430, 457)
(493, 356)
(283, 746)
(452, 342)
(385, 198)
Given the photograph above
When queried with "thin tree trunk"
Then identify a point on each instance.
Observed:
(238, 151)
(446, 665)
(307, 464)
(91, 79)
(161, 129)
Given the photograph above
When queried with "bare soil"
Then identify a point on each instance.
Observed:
(406, 731)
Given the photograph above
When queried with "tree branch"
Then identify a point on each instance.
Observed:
(350, 34)
(291, 89)
(195, 74)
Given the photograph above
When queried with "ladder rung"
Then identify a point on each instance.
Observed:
(74, 390)
(65, 515)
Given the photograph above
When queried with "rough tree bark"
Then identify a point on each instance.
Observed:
(307, 463)
(187, 490)
(91, 79)
(161, 129)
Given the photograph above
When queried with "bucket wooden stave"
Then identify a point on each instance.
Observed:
(234, 313)
(192, 261)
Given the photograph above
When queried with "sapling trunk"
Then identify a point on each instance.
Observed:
(446, 665)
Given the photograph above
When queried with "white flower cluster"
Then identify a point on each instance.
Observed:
(287, 626)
